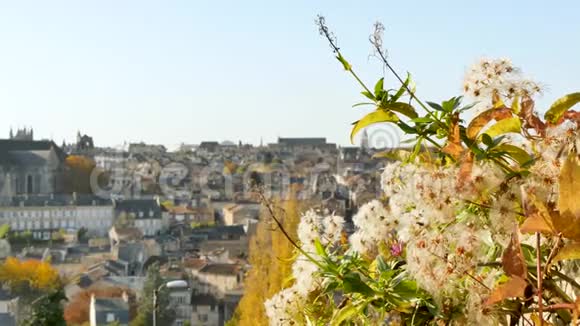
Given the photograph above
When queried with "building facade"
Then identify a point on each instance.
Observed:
(43, 215)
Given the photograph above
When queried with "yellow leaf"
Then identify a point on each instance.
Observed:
(538, 218)
(516, 104)
(567, 219)
(496, 100)
(505, 126)
(376, 116)
(536, 319)
(560, 107)
(569, 199)
(568, 252)
(514, 287)
(397, 155)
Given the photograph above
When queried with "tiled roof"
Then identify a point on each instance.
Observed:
(141, 208)
(194, 263)
(220, 269)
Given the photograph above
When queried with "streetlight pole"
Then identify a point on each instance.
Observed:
(179, 284)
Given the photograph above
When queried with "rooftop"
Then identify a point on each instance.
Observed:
(220, 269)
(111, 304)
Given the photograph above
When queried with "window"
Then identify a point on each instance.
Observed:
(202, 318)
(110, 317)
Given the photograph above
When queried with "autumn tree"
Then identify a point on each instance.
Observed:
(78, 171)
(271, 255)
(31, 273)
(39, 288)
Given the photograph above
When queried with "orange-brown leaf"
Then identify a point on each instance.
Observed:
(514, 287)
(529, 117)
(465, 169)
(453, 146)
(538, 218)
(483, 118)
(512, 260)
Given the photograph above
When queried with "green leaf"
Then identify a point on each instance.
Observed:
(486, 139)
(451, 104)
(422, 120)
(345, 63)
(382, 266)
(406, 128)
(319, 248)
(505, 126)
(354, 284)
(362, 103)
(402, 90)
(435, 106)
(403, 108)
(376, 116)
(368, 95)
(416, 149)
(560, 107)
(406, 288)
(345, 313)
(516, 153)
(379, 86)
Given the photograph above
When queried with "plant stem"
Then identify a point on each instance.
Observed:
(281, 227)
(411, 93)
(359, 80)
(539, 277)
(553, 253)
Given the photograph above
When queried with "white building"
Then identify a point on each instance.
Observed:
(180, 302)
(43, 215)
(145, 214)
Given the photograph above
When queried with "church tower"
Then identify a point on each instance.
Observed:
(364, 143)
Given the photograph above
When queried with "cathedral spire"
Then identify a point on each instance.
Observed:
(364, 143)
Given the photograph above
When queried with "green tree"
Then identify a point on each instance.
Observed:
(165, 315)
(81, 233)
(4, 229)
(47, 310)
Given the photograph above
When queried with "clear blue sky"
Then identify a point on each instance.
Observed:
(186, 71)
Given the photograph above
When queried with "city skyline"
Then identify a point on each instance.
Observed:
(188, 72)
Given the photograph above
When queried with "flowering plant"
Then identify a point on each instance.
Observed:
(479, 222)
